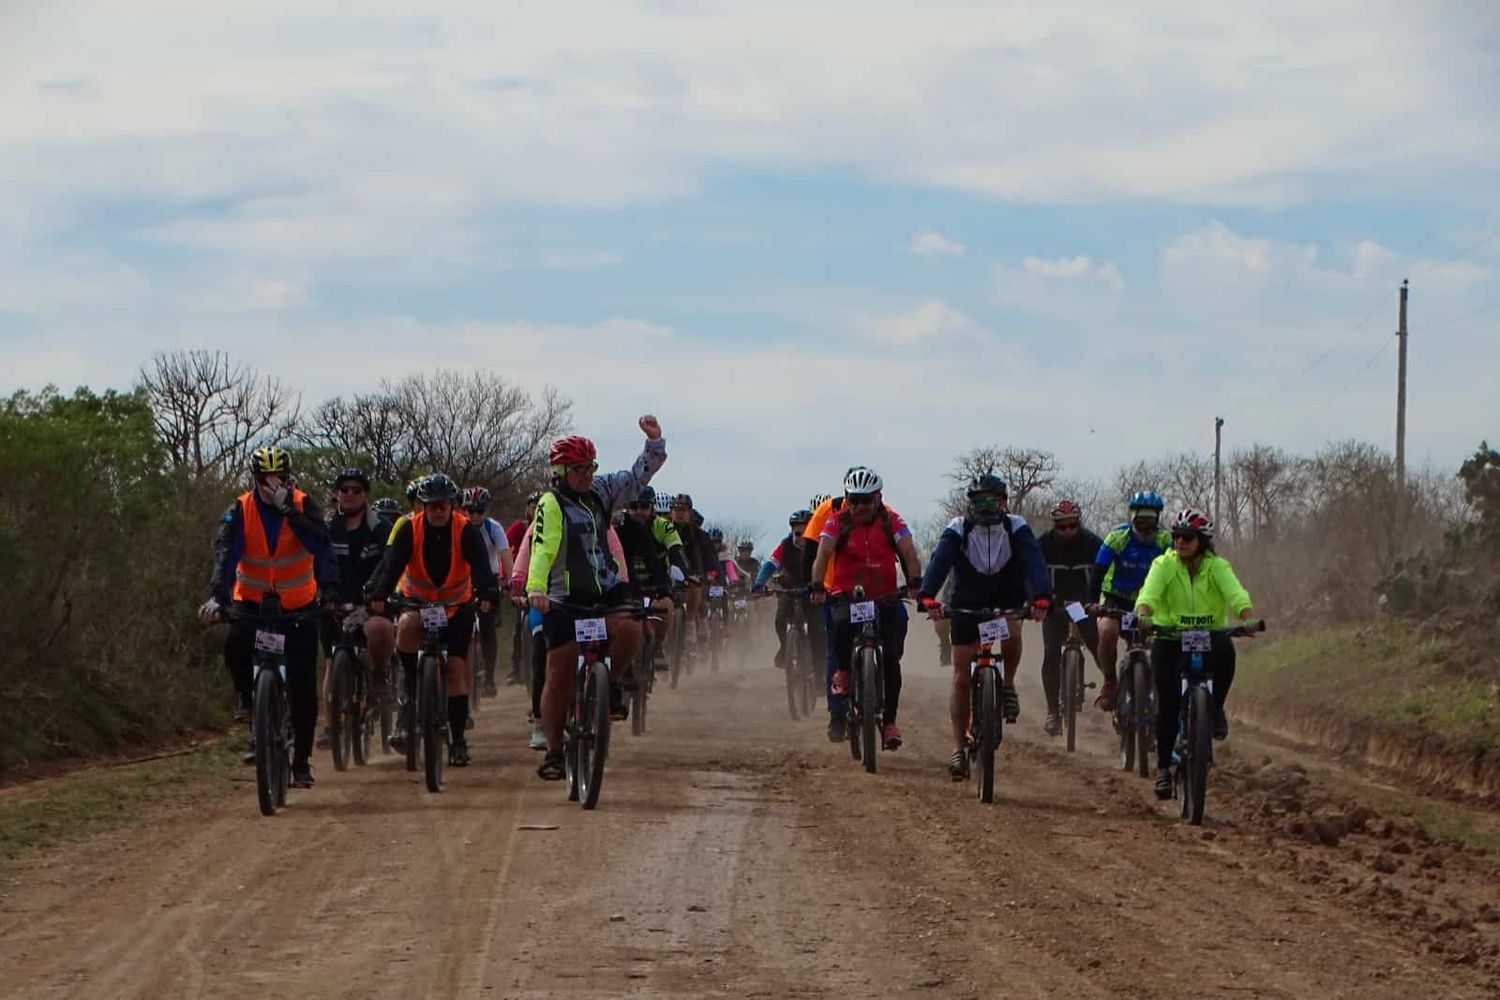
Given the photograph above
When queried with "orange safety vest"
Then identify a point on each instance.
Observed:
(287, 572)
(416, 582)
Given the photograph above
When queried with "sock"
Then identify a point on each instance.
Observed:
(458, 716)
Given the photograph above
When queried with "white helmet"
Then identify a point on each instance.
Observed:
(862, 480)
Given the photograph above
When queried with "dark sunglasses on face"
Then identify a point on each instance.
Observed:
(1184, 536)
(589, 467)
(862, 501)
(1066, 525)
(1145, 522)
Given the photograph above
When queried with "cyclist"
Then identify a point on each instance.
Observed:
(728, 569)
(570, 561)
(1069, 549)
(515, 536)
(823, 507)
(1190, 587)
(995, 561)
(439, 557)
(387, 510)
(476, 501)
(744, 558)
(531, 619)
(272, 540)
(785, 565)
(358, 537)
(699, 559)
(1119, 570)
(860, 546)
(652, 549)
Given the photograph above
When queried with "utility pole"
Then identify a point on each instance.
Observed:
(1401, 397)
(1218, 455)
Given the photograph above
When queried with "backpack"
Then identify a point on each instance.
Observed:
(846, 525)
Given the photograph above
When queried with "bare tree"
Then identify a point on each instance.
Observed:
(1029, 474)
(211, 412)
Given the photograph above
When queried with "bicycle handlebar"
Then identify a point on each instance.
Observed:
(1233, 631)
(1021, 612)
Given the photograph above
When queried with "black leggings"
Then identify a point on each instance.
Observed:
(489, 621)
(1054, 634)
(538, 669)
(1167, 660)
(810, 615)
(301, 674)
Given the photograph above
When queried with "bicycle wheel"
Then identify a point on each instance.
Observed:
(642, 671)
(1145, 714)
(594, 747)
(986, 695)
(869, 707)
(1199, 747)
(364, 709)
(1125, 720)
(715, 640)
(476, 674)
(1072, 684)
(284, 748)
(679, 640)
(388, 703)
(340, 710)
(796, 686)
(267, 730)
(430, 721)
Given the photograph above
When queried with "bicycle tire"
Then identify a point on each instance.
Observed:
(476, 674)
(796, 685)
(1200, 748)
(594, 749)
(284, 754)
(430, 722)
(267, 732)
(715, 637)
(679, 640)
(988, 735)
(869, 709)
(1145, 721)
(339, 710)
(1072, 685)
(642, 670)
(364, 710)
(387, 704)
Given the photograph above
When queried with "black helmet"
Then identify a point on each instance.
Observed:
(683, 500)
(646, 498)
(351, 473)
(437, 487)
(533, 499)
(803, 516)
(385, 505)
(987, 483)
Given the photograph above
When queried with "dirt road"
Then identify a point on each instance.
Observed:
(738, 854)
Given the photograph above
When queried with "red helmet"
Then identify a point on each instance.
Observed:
(572, 450)
(1065, 509)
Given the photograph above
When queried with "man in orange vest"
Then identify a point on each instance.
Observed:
(439, 557)
(272, 540)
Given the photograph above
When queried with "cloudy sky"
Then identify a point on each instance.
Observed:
(879, 232)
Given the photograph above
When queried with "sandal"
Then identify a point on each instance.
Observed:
(553, 767)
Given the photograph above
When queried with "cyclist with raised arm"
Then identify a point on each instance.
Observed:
(438, 556)
(1120, 568)
(272, 540)
(1191, 587)
(787, 568)
(570, 562)
(996, 563)
(476, 502)
(1070, 550)
(860, 546)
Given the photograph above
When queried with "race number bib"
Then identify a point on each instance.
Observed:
(1075, 611)
(995, 630)
(270, 642)
(864, 611)
(434, 617)
(1127, 621)
(741, 605)
(591, 630)
(716, 592)
(1196, 642)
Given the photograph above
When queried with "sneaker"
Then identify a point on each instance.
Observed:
(1106, 700)
(1011, 702)
(838, 729)
(958, 765)
(1164, 782)
(249, 755)
(1053, 725)
(302, 776)
(1221, 724)
(890, 736)
(490, 691)
(538, 738)
(458, 755)
(325, 738)
(841, 682)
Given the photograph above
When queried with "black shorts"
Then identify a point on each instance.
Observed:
(1114, 602)
(965, 631)
(458, 632)
(557, 624)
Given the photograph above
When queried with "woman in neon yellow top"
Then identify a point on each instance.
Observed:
(1191, 587)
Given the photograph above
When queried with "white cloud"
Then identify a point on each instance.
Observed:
(1215, 243)
(577, 260)
(930, 321)
(1081, 266)
(930, 243)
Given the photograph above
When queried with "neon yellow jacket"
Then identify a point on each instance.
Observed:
(1179, 601)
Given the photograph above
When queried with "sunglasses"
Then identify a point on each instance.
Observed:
(589, 467)
(641, 506)
(1145, 522)
(351, 489)
(1065, 525)
(1185, 536)
(861, 501)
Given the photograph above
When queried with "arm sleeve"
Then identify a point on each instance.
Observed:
(229, 542)
(477, 554)
(1154, 588)
(940, 563)
(546, 542)
(617, 488)
(1235, 594)
(523, 562)
(617, 552)
(393, 563)
(1036, 563)
(768, 569)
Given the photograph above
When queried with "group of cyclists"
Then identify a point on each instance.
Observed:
(612, 541)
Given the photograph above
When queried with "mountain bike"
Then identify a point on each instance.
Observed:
(353, 707)
(586, 729)
(1194, 751)
(427, 735)
(804, 681)
(739, 629)
(677, 657)
(1073, 683)
(1134, 717)
(718, 606)
(986, 702)
(867, 695)
(270, 713)
(643, 670)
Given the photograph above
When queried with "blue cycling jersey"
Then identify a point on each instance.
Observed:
(1126, 559)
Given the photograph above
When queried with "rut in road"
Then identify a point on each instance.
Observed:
(734, 853)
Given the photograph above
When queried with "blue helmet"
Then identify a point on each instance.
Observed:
(1148, 500)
